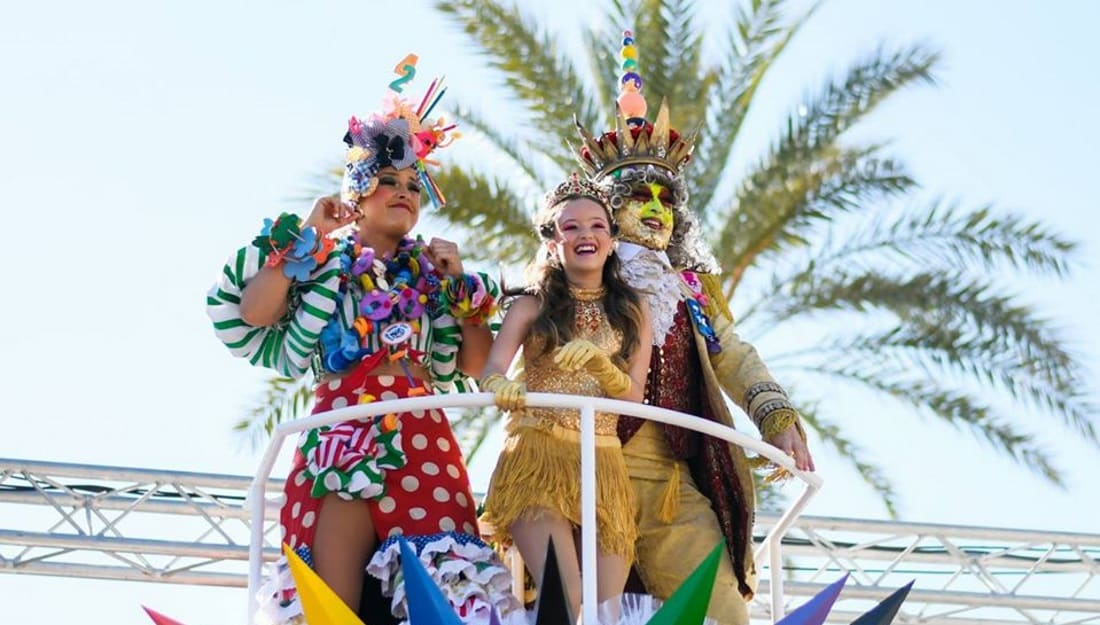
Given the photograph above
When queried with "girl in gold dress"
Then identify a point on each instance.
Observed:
(583, 332)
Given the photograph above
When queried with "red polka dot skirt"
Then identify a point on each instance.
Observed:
(428, 493)
(408, 470)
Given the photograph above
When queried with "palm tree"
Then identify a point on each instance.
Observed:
(815, 232)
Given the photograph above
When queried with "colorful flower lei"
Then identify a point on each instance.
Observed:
(394, 292)
(467, 297)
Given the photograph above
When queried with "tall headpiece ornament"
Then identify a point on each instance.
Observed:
(634, 140)
(398, 136)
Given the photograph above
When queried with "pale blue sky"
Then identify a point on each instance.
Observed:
(141, 142)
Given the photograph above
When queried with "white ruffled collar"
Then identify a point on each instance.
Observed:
(651, 273)
(628, 251)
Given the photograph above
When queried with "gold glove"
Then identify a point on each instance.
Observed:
(576, 354)
(508, 395)
(580, 353)
(614, 380)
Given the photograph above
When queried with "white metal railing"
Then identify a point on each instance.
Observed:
(587, 406)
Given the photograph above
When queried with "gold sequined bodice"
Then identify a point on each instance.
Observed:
(544, 376)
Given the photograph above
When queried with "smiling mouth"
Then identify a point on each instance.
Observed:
(585, 249)
(653, 223)
(401, 205)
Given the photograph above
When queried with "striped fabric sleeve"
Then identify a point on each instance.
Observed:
(289, 345)
(446, 341)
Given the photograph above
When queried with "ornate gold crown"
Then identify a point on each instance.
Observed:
(576, 186)
(634, 140)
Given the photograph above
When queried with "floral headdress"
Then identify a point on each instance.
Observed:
(398, 136)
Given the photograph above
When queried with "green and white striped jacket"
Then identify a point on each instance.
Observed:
(293, 345)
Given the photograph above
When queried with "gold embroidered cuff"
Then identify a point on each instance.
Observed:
(777, 421)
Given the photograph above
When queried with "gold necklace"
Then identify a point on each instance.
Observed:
(587, 309)
(587, 295)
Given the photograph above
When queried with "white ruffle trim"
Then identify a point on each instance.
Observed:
(651, 273)
(272, 609)
(472, 579)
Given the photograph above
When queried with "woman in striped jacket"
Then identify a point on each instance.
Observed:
(377, 315)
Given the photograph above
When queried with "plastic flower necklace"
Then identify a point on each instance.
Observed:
(393, 293)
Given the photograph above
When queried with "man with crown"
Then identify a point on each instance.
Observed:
(692, 491)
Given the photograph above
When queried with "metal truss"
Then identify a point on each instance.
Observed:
(120, 523)
(962, 575)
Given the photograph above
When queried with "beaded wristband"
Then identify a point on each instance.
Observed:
(762, 387)
(284, 242)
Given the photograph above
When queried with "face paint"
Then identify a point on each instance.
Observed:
(646, 216)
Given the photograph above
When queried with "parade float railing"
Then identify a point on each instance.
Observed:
(154, 525)
(771, 545)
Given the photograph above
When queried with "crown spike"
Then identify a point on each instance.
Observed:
(590, 144)
(659, 137)
(626, 137)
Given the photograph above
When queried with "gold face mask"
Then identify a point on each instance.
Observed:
(645, 217)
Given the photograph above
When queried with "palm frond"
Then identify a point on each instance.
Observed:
(957, 408)
(839, 181)
(283, 399)
(756, 39)
(872, 474)
(524, 55)
(603, 64)
(945, 235)
(961, 322)
(494, 219)
(763, 203)
(939, 236)
(518, 157)
(866, 84)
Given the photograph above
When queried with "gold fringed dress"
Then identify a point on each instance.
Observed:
(539, 467)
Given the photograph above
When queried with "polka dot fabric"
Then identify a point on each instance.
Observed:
(426, 498)
(429, 494)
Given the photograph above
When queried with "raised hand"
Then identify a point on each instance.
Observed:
(329, 213)
(444, 255)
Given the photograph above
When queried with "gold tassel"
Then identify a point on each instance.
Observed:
(541, 469)
(670, 501)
